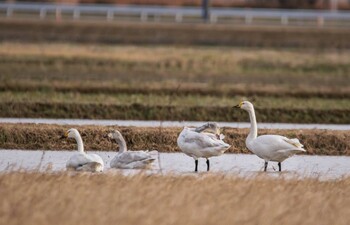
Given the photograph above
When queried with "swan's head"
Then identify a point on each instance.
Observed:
(215, 128)
(71, 133)
(88, 167)
(116, 135)
(246, 105)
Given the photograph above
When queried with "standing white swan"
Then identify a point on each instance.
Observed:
(83, 161)
(197, 144)
(129, 159)
(269, 147)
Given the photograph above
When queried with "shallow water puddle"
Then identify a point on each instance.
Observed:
(323, 167)
(157, 123)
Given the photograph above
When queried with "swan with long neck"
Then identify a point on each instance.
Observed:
(268, 147)
(196, 143)
(129, 159)
(82, 161)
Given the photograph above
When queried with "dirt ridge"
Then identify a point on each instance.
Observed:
(47, 137)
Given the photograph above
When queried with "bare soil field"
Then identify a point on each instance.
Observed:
(170, 112)
(174, 34)
(155, 82)
(39, 198)
(46, 137)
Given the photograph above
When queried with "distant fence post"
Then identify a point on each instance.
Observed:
(58, 14)
(205, 10)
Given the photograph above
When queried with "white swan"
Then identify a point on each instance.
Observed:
(197, 144)
(269, 147)
(82, 161)
(129, 159)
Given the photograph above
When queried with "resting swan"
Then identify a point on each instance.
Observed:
(82, 161)
(197, 144)
(129, 159)
(269, 147)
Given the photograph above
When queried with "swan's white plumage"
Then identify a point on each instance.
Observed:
(82, 161)
(130, 159)
(269, 147)
(274, 147)
(201, 145)
(85, 162)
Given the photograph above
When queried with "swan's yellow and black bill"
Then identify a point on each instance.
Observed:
(65, 135)
(217, 133)
(239, 105)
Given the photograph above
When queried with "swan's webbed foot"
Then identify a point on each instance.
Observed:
(208, 165)
(265, 168)
(279, 166)
(196, 165)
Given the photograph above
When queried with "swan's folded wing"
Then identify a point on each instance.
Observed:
(132, 156)
(213, 136)
(291, 151)
(295, 142)
(275, 143)
(78, 160)
(200, 140)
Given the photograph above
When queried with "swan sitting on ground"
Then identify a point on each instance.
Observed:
(129, 159)
(269, 147)
(82, 161)
(197, 144)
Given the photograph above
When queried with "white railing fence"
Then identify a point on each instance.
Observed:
(43, 11)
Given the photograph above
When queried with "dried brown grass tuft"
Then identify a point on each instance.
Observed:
(34, 198)
(46, 137)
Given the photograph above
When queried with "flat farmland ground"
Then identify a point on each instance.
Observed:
(68, 80)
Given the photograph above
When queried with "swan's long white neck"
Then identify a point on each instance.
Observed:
(253, 133)
(202, 128)
(122, 144)
(77, 137)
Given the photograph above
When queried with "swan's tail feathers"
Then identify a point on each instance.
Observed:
(221, 137)
(294, 142)
(227, 147)
(224, 148)
(153, 152)
(148, 160)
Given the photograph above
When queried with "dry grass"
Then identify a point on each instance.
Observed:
(173, 88)
(46, 137)
(167, 69)
(34, 198)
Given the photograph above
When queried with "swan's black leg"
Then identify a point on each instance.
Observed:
(196, 163)
(208, 165)
(279, 167)
(265, 166)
